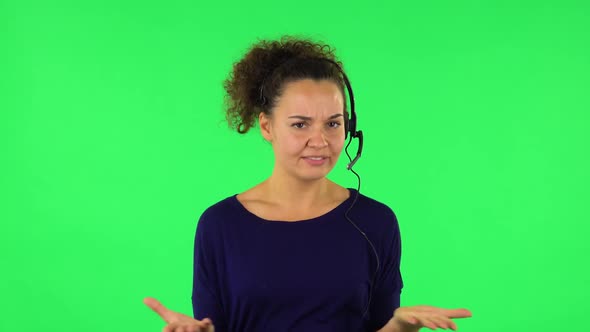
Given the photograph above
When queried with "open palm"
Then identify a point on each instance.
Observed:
(412, 319)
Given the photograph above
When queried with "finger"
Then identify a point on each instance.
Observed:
(175, 327)
(457, 313)
(188, 328)
(441, 321)
(156, 306)
(412, 320)
(451, 324)
(424, 321)
(199, 325)
(451, 313)
(196, 327)
(203, 324)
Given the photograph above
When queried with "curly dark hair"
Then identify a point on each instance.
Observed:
(259, 78)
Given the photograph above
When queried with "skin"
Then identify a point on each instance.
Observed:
(307, 121)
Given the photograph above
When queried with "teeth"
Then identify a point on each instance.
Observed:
(315, 158)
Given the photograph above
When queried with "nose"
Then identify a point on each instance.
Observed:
(317, 139)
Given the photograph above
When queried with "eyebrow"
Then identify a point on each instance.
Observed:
(308, 118)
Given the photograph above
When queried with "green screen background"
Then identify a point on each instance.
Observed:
(475, 117)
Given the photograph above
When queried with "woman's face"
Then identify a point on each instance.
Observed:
(306, 129)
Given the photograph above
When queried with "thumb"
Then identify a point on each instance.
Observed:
(166, 314)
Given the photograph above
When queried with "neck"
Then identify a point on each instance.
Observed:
(284, 189)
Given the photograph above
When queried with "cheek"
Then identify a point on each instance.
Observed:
(338, 143)
(337, 150)
(289, 146)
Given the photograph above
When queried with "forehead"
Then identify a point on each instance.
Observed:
(310, 97)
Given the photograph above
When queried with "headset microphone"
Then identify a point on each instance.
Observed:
(359, 135)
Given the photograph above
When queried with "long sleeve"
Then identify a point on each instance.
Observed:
(206, 298)
(389, 282)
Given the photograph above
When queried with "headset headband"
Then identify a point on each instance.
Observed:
(352, 122)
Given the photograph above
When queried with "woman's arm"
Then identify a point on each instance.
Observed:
(206, 294)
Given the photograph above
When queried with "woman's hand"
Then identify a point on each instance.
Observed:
(178, 322)
(411, 319)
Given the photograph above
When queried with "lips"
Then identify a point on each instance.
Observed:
(316, 160)
(316, 157)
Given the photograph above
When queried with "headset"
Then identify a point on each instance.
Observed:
(351, 129)
(351, 132)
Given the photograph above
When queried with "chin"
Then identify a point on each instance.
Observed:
(313, 176)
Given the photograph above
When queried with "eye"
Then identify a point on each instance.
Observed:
(334, 124)
(298, 125)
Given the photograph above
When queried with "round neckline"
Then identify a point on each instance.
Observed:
(342, 204)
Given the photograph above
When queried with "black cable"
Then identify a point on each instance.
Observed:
(372, 285)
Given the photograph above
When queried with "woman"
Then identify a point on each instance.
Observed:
(297, 252)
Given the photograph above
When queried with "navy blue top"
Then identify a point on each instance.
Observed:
(253, 274)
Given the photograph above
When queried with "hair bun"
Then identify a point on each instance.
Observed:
(243, 99)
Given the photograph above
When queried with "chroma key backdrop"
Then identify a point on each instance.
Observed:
(475, 117)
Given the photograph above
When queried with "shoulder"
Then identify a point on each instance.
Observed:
(220, 208)
(374, 216)
(218, 213)
(369, 206)
(379, 222)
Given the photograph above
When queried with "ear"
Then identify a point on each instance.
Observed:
(265, 126)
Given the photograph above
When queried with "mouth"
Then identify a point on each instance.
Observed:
(315, 157)
(316, 160)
